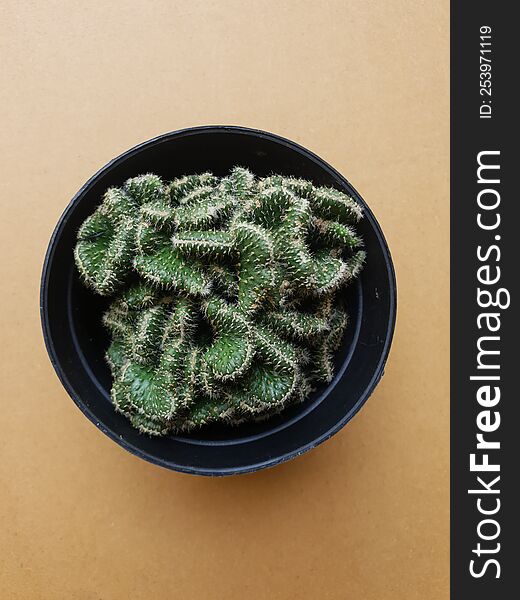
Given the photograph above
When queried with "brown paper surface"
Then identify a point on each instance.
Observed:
(363, 84)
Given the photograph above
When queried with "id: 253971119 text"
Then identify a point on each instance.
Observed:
(485, 88)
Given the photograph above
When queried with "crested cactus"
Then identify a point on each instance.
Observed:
(225, 303)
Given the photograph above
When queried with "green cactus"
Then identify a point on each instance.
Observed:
(225, 304)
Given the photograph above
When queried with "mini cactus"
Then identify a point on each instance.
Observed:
(224, 293)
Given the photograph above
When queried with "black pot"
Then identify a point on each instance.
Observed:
(76, 340)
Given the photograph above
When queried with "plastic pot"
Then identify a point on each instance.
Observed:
(76, 341)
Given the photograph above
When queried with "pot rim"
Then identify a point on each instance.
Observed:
(271, 462)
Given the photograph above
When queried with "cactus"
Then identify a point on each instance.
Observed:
(225, 303)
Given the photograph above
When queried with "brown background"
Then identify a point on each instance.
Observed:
(365, 85)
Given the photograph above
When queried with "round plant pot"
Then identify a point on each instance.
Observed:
(76, 340)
